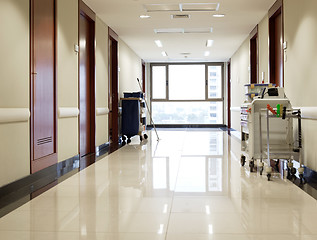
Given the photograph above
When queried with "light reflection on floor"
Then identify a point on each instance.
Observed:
(188, 185)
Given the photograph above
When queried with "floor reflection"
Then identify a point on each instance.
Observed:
(187, 185)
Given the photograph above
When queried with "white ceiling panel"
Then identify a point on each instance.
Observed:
(228, 33)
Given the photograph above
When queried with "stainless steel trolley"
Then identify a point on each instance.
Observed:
(269, 133)
(289, 151)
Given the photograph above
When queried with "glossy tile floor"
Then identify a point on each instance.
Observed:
(187, 186)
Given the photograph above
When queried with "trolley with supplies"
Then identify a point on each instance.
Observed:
(267, 130)
(133, 116)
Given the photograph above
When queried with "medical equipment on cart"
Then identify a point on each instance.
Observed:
(267, 128)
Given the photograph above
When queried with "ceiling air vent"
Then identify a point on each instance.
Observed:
(182, 16)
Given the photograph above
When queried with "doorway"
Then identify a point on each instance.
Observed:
(43, 84)
(113, 88)
(276, 38)
(86, 80)
(254, 56)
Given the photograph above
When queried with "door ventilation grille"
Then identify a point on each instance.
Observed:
(42, 141)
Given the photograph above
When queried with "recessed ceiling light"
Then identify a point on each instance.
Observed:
(209, 43)
(145, 16)
(207, 53)
(218, 15)
(158, 43)
(164, 54)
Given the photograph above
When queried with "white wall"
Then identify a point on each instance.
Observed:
(263, 38)
(239, 77)
(14, 89)
(67, 76)
(102, 135)
(300, 33)
(130, 69)
(14, 83)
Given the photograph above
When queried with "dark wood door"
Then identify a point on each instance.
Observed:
(229, 94)
(113, 91)
(143, 77)
(43, 104)
(254, 59)
(278, 41)
(86, 85)
(276, 57)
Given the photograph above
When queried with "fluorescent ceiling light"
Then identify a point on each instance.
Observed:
(207, 53)
(145, 16)
(164, 54)
(169, 30)
(209, 43)
(182, 7)
(218, 15)
(158, 43)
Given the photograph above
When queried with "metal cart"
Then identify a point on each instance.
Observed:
(133, 116)
(272, 134)
(287, 151)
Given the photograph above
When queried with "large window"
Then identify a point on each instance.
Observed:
(159, 82)
(187, 93)
(186, 82)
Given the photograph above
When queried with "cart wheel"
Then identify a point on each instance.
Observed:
(145, 136)
(268, 176)
(261, 170)
(129, 140)
(242, 160)
(141, 138)
(251, 165)
(124, 138)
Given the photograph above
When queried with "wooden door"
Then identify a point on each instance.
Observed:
(229, 93)
(276, 57)
(86, 84)
(254, 55)
(43, 84)
(143, 77)
(113, 88)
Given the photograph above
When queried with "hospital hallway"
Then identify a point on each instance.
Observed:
(189, 185)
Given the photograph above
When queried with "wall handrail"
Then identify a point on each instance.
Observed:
(102, 111)
(68, 112)
(308, 112)
(11, 115)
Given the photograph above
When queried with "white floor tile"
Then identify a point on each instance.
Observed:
(189, 186)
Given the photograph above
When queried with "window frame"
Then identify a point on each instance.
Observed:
(206, 82)
(206, 99)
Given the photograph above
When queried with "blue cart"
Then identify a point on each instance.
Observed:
(133, 116)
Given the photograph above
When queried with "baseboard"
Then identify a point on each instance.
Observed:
(23, 190)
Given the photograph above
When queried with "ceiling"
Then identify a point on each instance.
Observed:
(184, 44)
